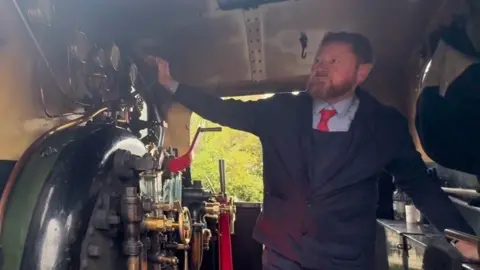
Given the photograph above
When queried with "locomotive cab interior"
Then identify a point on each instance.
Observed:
(94, 158)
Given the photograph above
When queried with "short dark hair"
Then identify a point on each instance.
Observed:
(361, 45)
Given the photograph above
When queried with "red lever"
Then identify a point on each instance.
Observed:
(183, 162)
(225, 242)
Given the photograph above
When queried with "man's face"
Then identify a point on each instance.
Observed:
(335, 72)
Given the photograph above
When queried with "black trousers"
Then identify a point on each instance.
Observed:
(271, 260)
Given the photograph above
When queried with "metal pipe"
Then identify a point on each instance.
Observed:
(463, 192)
(133, 263)
(461, 236)
(132, 215)
(26, 155)
(221, 169)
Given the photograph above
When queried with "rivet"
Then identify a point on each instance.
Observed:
(93, 251)
(84, 264)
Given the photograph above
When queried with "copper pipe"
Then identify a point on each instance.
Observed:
(133, 263)
(144, 263)
(26, 155)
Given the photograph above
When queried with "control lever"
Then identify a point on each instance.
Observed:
(181, 163)
(225, 222)
(461, 236)
(208, 129)
(221, 169)
(228, 205)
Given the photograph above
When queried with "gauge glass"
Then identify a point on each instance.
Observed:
(79, 46)
(115, 57)
(100, 58)
(133, 73)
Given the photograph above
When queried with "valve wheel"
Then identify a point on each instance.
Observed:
(185, 226)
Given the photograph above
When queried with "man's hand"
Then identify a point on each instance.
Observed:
(164, 77)
(468, 250)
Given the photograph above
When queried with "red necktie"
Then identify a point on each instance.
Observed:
(325, 116)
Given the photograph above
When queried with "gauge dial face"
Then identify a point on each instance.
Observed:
(115, 57)
(133, 73)
(80, 46)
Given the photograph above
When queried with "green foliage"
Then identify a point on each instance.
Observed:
(242, 153)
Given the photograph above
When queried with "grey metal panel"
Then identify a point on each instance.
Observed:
(209, 46)
(212, 46)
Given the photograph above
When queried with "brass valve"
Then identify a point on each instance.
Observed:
(160, 224)
(231, 209)
(184, 223)
(212, 209)
(228, 208)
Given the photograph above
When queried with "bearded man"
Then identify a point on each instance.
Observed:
(322, 151)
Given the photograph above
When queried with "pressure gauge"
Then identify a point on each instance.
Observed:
(42, 12)
(79, 46)
(115, 57)
(133, 73)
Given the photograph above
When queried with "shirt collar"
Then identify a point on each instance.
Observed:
(341, 107)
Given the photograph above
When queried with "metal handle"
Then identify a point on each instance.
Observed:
(461, 236)
(210, 129)
(221, 169)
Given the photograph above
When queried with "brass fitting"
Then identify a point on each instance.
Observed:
(231, 210)
(182, 247)
(212, 209)
(227, 208)
(163, 206)
(207, 235)
(168, 259)
(160, 224)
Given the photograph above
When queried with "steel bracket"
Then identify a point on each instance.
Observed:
(254, 30)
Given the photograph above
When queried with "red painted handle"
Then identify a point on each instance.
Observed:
(225, 242)
(181, 163)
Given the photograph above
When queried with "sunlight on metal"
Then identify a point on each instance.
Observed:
(51, 242)
(427, 69)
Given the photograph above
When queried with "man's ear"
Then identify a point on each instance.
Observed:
(363, 72)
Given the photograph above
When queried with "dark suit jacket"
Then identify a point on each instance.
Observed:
(328, 224)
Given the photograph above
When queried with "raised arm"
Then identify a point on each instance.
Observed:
(246, 116)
